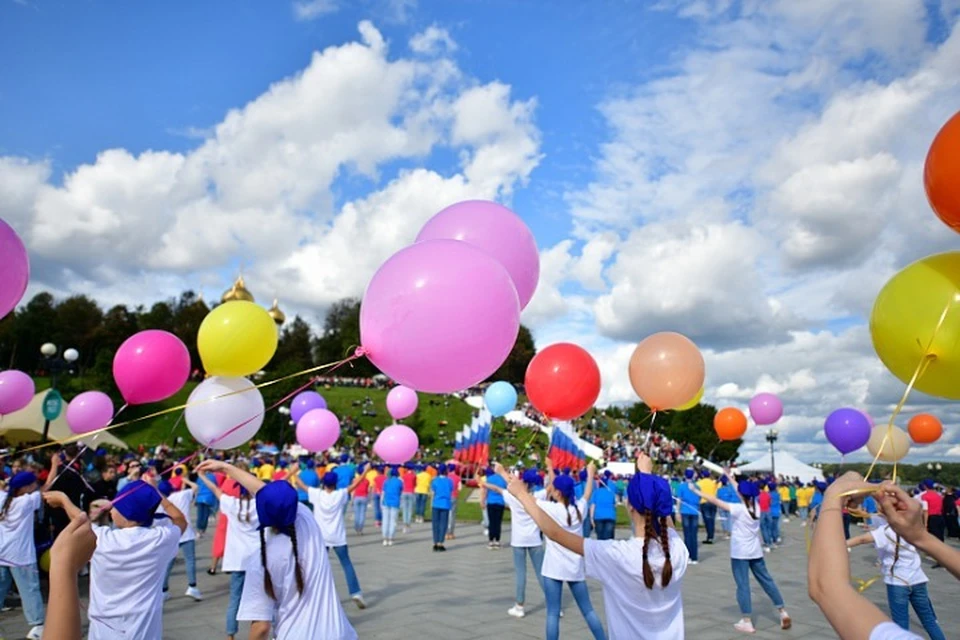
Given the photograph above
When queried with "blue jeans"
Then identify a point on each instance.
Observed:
(741, 575)
(359, 513)
(236, 590)
(421, 504)
(775, 528)
(190, 555)
(765, 528)
(407, 501)
(28, 584)
(204, 511)
(724, 517)
(343, 555)
(898, 596)
(389, 522)
(520, 568)
(587, 526)
(378, 508)
(440, 519)
(690, 534)
(605, 529)
(804, 512)
(709, 512)
(553, 590)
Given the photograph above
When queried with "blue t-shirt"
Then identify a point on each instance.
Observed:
(392, 489)
(492, 496)
(204, 495)
(604, 504)
(689, 501)
(869, 504)
(816, 499)
(310, 478)
(726, 493)
(774, 504)
(345, 473)
(442, 488)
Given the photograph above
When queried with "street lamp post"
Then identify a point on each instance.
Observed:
(55, 364)
(772, 436)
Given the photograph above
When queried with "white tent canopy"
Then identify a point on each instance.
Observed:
(786, 465)
(26, 425)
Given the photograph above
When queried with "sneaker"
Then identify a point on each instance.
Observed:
(441, 548)
(359, 601)
(436, 547)
(486, 532)
(694, 562)
(211, 572)
(766, 549)
(785, 621)
(193, 592)
(36, 633)
(385, 543)
(745, 626)
(389, 543)
(561, 614)
(516, 611)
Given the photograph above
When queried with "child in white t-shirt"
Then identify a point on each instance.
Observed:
(183, 499)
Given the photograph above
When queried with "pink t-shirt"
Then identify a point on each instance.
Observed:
(455, 479)
(378, 482)
(362, 490)
(409, 481)
(764, 500)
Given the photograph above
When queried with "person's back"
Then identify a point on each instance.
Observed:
(604, 503)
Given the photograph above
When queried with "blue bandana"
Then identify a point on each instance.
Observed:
(311, 463)
(165, 488)
(704, 473)
(648, 493)
(564, 485)
(724, 480)
(748, 489)
(277, 505)
(689, 474)
(531, 477)
(21, 480)
(583, 475)
(928, 483)
(330, 479)
(138, 502)
(442, 469)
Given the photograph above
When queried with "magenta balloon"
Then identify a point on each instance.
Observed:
(396, 444)
(498, 231)
(14, 269)
(318, 430)
(89, 411)
(401, 402)
(766, 408)
(304, 402)
(151, 366)
(16, 390)
(439, 316)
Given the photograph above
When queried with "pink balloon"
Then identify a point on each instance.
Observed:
(14, 269)
(16, 390)
(498, 231)
(439, 316)
(89, 411)
(151, 366)
(318, 430)
(396, 444)
(401, 402)
(766, 408)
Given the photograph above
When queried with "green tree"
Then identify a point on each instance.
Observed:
(35, 323)
(188, 313)
(514, 369)
(341, 335)
(295, 345)
(160, 316)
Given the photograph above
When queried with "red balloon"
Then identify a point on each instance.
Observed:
(563, 381)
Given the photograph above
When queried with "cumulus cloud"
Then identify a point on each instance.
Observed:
(432, 41)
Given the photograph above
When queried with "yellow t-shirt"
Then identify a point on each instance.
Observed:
(423, 482)
(265, 472)
(707, 486)
(784, 494)
(804, 496)
(371, 475)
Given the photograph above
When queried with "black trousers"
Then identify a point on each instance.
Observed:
(936, 526)
(495, 515)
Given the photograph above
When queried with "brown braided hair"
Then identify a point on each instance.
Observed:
(298, 572)
(896, 555)
(6, 505)
(566, 503)
(649, 533)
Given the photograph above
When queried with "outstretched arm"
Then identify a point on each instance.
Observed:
(547, 525)
(54, 473)
(71, 551)
(905, 516)
(711, 499)
(59, 500)
(249, 481)
(588, 490)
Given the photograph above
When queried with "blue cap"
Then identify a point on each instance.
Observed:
(165, 488)
(488, 471)
(929, 483)
(608, 474)
(344, 458)
(583, 475)
(284, 464)
(689, 474)
(277, 505)
(748, 489)
(648, 493)
(530, 476)
(330, 479)
(138, 502)
(565, 485)
(724, 480)
(442, 469)
(311, 463)
(178, 471)
(704, 473)
(394, 473)
(21, 480)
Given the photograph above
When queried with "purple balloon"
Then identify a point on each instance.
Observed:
(439, 316)
(304, 403)
(318, 430)
(16, 390)
(766, 408)
(498, 231)
(14, 269)
(89, 411)
(847, 430)
(401, 402)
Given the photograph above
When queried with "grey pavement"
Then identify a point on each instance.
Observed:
(465, 593)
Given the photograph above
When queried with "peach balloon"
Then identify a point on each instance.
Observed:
(894, 448)
(666, 370)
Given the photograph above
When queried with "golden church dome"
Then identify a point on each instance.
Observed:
(278, 316)
(237, 292)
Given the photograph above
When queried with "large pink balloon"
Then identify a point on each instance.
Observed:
(401, 402)
(396, 444)
(14, 269)
(89, 411)
(151, 366)
(16, 390)
(498, 231)
(318, 430)
(439, 316)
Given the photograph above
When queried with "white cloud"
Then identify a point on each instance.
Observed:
(432, 41)
(313, 9)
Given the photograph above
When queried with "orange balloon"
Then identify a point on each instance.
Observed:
(730, 423)
(925, 428)
(941, 174)
(666, 370)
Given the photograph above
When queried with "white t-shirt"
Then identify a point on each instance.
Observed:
(892, 631)
(243, 533)
(559, 562)
(183, 500)
(314, 614)
(524, 532)
(633, 610)
(744, 534)
(908, 570)
(126, 580)
(16, 530)
(328, 512)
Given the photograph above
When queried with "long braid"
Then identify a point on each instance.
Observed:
(896, 555)
(298, 572)
(647, 535)
(267, 580)
(665, 545)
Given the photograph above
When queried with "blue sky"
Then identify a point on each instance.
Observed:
(745, 172)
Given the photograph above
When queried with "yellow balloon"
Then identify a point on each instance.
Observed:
(237, 338)
(45, 561)
(895, 448)
(694, 402)
(905, 317)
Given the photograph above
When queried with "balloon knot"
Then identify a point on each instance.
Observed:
(360, 352)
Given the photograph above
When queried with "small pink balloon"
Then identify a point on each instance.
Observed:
(318, 430)
(151, 366)
(89, 411)
(766, 408)
(401, 402)
(396, 444)
(16, 390)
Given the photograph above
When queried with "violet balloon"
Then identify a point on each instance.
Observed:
(847, 430)
(16, 390)
(318, 430)
(766, 408)
(498, 231)
(396, 444)
(304, 402)
(14, 269)
(89, 411)
(402, 402)
(439, 316)
(151, 366)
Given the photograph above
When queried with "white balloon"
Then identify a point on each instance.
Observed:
(223, 421)
(896, 447)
